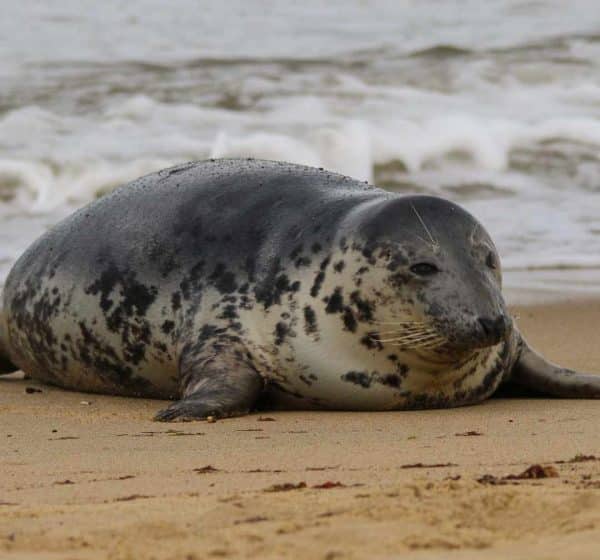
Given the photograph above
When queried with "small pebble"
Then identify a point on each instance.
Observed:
(211, 419)
(85, 403)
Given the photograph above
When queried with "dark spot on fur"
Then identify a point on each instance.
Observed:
(127, 317)
(275, 285)
(335, 303)
(391, 380)
(402, 369)
(136, 296)
(245, 302)
(367, 252)
(185, 288)
(310, 320)
(339, 266)
(358, 378)
(365, 308)
(223, 279)
(236, 326)
(349, 320)
(229, 312)
(282, 284)
(101, 356)
(314, 291)
(371, 341)
(167, 327)
(243, 289)
(316, 247)
(282, 330)
(160, 346)
(36, 320)
(400, 279)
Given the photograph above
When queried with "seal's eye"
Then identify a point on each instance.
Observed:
(491, 261)
(424, 269)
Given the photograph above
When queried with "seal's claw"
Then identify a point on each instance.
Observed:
(185, 411)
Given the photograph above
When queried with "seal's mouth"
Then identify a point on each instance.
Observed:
(481, 332)
(441, 337)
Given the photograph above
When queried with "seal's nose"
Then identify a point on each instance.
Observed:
(494, 330)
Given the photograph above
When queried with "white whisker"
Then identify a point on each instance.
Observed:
(400, 322)
(411, 339)
(434, 243)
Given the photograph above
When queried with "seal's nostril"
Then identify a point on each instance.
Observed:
(503, 324)
(494, 329)
(487, 325)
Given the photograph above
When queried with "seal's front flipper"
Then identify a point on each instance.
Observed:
(221, 386)
(535, 374)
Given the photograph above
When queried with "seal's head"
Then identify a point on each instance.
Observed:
(441, 274)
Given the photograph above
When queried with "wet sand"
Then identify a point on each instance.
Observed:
(91, 477)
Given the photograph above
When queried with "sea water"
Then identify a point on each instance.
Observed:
(495, 105)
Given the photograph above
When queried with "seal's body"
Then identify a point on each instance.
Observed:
(210, 282)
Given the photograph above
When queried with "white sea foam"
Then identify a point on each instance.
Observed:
(497, 109)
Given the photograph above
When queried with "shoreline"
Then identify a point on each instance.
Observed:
(90, 476)
(550, 286)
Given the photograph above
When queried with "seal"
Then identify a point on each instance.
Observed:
(217, 282)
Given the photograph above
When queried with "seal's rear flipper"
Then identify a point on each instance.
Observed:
(222, 386)
(6, 366)
(535, 374)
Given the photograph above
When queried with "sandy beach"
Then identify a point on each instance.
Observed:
(90, 477)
